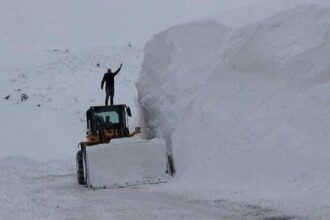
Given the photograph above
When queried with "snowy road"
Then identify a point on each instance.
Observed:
(39, 194)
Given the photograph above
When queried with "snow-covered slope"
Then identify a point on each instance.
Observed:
(245, 110)
(60, 85)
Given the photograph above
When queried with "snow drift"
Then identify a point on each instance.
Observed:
(245, 110)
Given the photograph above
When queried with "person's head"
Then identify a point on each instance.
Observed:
(109, 70)
(107, 118)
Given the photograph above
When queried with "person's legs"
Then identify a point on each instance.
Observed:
(111, 100)
(112, 93)
(106, 99)
(107, 94)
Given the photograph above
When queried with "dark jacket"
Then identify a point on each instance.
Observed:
(109, 79)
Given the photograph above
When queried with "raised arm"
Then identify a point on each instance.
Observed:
(103, 81)
(117, 71)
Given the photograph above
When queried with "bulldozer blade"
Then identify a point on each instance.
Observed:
(126, 162)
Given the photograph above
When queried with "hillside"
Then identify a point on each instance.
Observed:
(60, 85)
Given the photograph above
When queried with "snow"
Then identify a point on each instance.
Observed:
(144, 161)
(237, 90)
(245, 110)
(44, 192)
(64, 83)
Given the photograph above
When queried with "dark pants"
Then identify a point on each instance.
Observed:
(109, 92)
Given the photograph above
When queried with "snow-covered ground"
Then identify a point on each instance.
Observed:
(34, 190)
(243, 106)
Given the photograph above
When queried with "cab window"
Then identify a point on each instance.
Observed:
(110, 117)
(105, 119)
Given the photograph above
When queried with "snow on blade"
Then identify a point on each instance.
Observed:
(127, 162)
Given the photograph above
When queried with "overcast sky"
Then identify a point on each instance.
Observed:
(26, 25)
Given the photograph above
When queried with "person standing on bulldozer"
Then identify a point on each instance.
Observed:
(109, 80)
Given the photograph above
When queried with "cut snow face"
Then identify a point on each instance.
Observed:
(245, 110)
(176, 65)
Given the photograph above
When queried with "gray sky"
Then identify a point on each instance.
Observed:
(26, 25)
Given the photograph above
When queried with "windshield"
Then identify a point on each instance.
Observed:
(105, 119)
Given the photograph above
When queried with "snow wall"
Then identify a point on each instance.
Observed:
(244, 109)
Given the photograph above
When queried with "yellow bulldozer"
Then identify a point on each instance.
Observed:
(112, 157)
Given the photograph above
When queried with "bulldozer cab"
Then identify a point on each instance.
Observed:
(108, 122)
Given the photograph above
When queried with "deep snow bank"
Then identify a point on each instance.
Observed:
(246, 110)
(176, 65)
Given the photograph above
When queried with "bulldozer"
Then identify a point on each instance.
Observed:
(111, 156)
